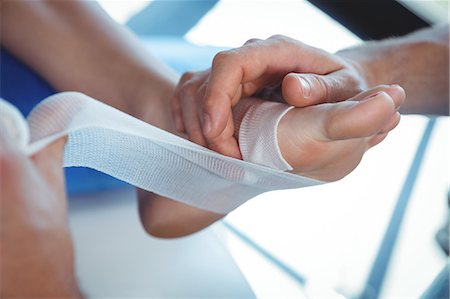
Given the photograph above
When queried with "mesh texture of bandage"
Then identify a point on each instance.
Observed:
(106, 139)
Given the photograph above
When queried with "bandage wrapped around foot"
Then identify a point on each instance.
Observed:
(256, 127)
(106, 139)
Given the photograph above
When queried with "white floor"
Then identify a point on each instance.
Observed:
(116, 258)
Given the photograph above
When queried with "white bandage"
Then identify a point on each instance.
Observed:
(258, 134)
(108, 140)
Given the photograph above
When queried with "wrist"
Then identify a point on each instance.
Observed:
(380, 62)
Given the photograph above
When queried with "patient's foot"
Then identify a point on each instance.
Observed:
(327, 141)
(324, 142)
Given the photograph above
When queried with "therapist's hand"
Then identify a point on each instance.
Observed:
(305, 76)
(301, 75)
(37, 259)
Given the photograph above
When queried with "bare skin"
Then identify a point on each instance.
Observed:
(307, 76)
(335, 136)
(37, 258)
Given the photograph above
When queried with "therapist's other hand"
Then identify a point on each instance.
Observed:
(37, 259)
(305, 76)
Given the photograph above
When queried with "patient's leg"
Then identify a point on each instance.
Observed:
(327, 141)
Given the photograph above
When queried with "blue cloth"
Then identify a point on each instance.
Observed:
(25, 89)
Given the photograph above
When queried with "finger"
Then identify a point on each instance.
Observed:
(191, 119)
(222, 93)
(177, 115)
(253, 41)
(226, 143)
(359, 119)
(302, 90)
(394, 121)
(183, 89)
(396, 92)
(232, 68)
(193, 127)
(187, 94)
(376, 139)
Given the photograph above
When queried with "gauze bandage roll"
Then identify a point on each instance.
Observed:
(108, 140)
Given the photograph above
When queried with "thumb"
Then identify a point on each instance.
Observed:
(302, 90)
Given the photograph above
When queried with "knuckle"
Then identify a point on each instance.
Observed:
(252, 41)
(222, 57)
(278, 37)
(186, 76)
(322, 86)
(187, 90)
(192, 88)
(281, 39)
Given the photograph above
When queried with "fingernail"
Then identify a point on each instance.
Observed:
(206, 124)
(394, 85)
(306, 87)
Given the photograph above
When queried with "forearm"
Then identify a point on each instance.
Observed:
(75, 45)
(418, 62)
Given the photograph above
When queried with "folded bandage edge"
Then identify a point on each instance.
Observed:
(258, 134)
